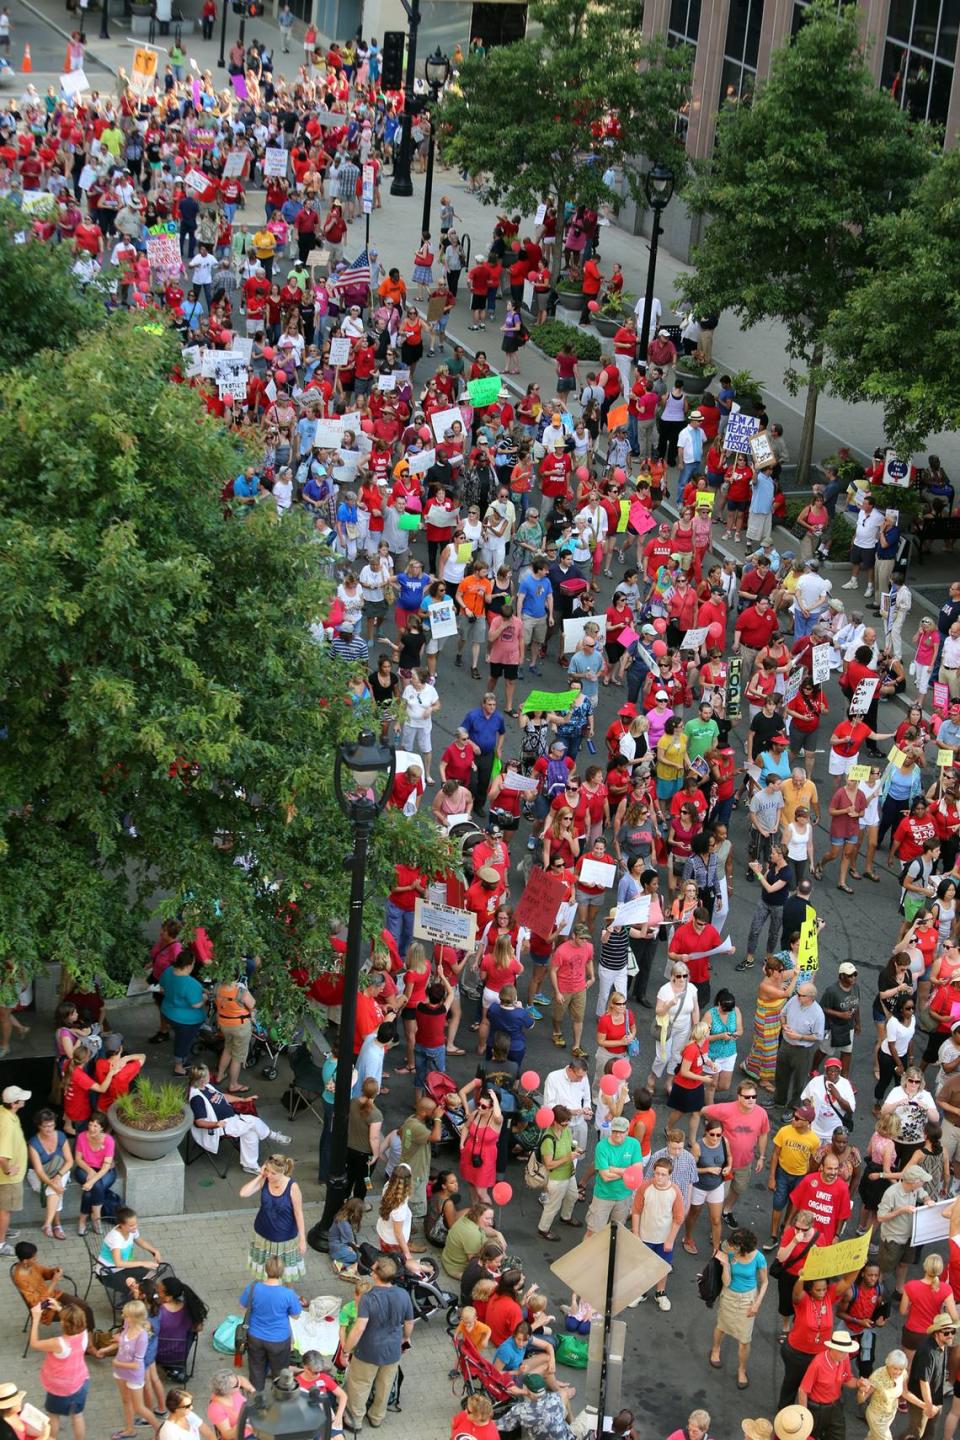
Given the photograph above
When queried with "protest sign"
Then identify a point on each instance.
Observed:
(825, 1261)
(275, 162)
(329, 434)
(896, 756)
(484, 391)
(191, 362)
(420, 463)
(863, 695)
(626, 637)
(538, 905)
(858, 773)
(792, 683)
(87, 176)
(693, 639)
(762, 451)
(444, 924)
(558, 700)
(944, 758)
(196, 181)
(368, 181)
(941, 697)
(339, 350)
(931, 1223)
(541, 213)
(633, 912)
(641, 519)
(808, 951)
(239, 84)
(163, 253)
(565, 917)
(523, 784)
(597, 872)
(233, 165)
(616, 416)
(441, 518)
(820, 664)
(328, 117)
(74, 83)
(733, 688)
(40, 204)
(895, 470)
(143, 71)
(740, 427)
(442, 420)
(703, 497)
(573, 630)
(624, 517)
(386, 382)
(443, 619)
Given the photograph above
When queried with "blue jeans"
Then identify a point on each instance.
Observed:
(97, 1193)
(425, 1060)
(803, 624)
(686, 471)
(785, 1184)
(183, 1038)
(400, 925)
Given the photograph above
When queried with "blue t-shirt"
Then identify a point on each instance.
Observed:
(744, 1274)
(762, 500)
(535, 594)
(586, 668)
(510, 1354)
(484, 729)
(410, 591)
(243, 488)
(180, 994)
(272, 1308)
(513, 1023)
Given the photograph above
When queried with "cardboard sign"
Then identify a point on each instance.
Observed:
(739, 429)
(825, 1261)
(863, 695)
(858, 773)
(573, 631)
(275, 162)
(329, 434)
(421, 462)
(485, 391)
(538, 905)
(896, 756)
(339, 350)
(693, 639)
(444, 420)
(444, 924)
(762, 451)
(820, 664)
(941, 696)
(597, 872)
(143, 72)
(196, 181)
(641, 519)
(443, 619)
(944, 758)
(233, 165)
(584, 1269)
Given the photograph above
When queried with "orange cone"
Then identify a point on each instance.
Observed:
(27, 66)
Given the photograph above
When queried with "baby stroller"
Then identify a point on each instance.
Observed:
(479, 1376)
(266, 1040)
(439, 1087)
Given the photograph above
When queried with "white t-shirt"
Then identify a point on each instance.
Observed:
(827, 1119)
(403, 1217)
(681, 1011)
(372, 580)
(656, 310)
(418, 702)
(283, 494)
(169, 1431)
(812, 590)
(797, 842)
(202, 267)
(868, 529)
(898, 1036)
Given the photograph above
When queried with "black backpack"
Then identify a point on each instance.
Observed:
(710, 1282)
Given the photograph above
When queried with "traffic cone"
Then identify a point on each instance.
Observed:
(27, 66)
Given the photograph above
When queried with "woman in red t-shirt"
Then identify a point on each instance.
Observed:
(915, 827)
(796, 1242)
(498, 967)
(615, 1030)
(687, 1092)
(415, 982)
(814, 1304)
(922, 1301)
(78, 1086)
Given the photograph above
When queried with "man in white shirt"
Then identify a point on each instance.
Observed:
(810, 595)
(570, 1087)
(689, 450)
(833, 1098)
(202, 264)
(656, 310)
(863, 551)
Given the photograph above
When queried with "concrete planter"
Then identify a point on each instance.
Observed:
(570, 300)
(150, 1144)
(606, 324)
(692, 384)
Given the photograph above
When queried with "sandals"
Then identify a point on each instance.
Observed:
(689, 1246)
(845, 888)
(58, 1233)
(871, 875)
(558, 1040)
(818, 872)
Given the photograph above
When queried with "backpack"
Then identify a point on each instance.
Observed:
(710, 1282)
(557, 772)
(536, 1174)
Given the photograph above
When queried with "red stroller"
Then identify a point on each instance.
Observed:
(441, 1087)
(479, 1376)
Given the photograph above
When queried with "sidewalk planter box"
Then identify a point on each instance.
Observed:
(150, 1144)
(607, 325)
(692, 384)
(570, 300)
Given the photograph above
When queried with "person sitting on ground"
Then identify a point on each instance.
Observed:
(213, 1116)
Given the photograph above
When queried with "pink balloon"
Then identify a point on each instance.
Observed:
(583, 473)
(619, 475)
(502, 1193)
(544, 1117)
(366, 426)
(515, 245)
(633, 1177)
(268, 352)
(660, 625)
(715, 632)
(609, 1084)
(425, 432)
(621, 1068)
(529, 1079)
(593, 305)
(659, 648)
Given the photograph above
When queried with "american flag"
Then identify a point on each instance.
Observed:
(357, 273)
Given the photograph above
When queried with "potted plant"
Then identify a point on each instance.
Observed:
(614, 309)
(151, 1120)
(570, 296)
(695, 372)
(749, 392)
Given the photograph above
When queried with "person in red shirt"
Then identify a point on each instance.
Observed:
(915, 828)
(479, 279)
(696, 936)
(826, 1378)
(255, 291)
(121, 1070)
(752, 632)
(825, 1195)
(483, 895)
(409, 884)
(814, 1304)
(555, 471)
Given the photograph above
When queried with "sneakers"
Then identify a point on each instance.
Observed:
(773, 1242)
(850, 585)
(662, 1302)
(6, 1249)
(532, 1010)
(639, 1301)
(868, 592)
(534, 670)
(280, 1138)
(730, 1219)
(538, 999)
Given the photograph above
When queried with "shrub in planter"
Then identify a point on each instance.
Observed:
(151, 1120)
(749, 391)
(553, 334)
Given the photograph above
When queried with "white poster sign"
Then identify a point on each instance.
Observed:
(863, 695)
(541, 214)
(931, 1223)
(420, 462)
(233, 165)
(895, 470)
(444, 924)
(633, 912)
(693, 639)
(442, 420)
(597, 872)
(820, 664)
(196, 181)
(275, 162)
(339, 350)
(443, 619)
(386, 382)
(329, 434)
(523, 784)
(74, 83)
(573, 630)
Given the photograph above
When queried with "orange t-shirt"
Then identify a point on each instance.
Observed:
(642, 1127)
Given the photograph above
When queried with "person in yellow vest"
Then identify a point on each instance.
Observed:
(236, 1008)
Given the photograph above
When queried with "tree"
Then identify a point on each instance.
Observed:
(796, 180)
(521, 115)
(893, 339)
(39, 298)
(144, 634)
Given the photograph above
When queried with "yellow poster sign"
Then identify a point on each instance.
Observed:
(703, 497)
(825, 1261)
(858, 772)
(808, 953)
(144, 71)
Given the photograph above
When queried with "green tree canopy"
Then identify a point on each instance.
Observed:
(143, 628)
(521, 115)
(893, 339)
(39, 298)
(794, 185)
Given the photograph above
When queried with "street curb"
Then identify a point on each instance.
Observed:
(66, 35)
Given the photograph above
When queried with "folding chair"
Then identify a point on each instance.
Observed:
(178, 1356)
(305, 1091)
(65, 1283)
(117, 1296)
(192, 1151)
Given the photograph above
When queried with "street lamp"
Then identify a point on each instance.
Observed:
(658, 186)
(286, 1411)
(402, 183)
(222, 62)
(104, 17)
(436, 69)
(362, 780)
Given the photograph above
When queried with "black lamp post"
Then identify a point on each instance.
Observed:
(362, 779)
(222, 62)
(104, 17)
(437, 70)
(658, 186)
(286, 1412)
(402, 182)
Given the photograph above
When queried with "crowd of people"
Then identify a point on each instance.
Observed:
(608, 855)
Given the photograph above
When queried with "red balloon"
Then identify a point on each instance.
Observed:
(280, 376)
(715, 632)
(366, 426)
(609, 1084)
(268, 352)
(621, 1068)
(544, 1117)
(659, 648)
(502, 1193)
(620, 476)
(515, 245)
(593, 305)
(583, 473)
(633, 1177)
(529, 1079)
(660, 625)
(425, 433)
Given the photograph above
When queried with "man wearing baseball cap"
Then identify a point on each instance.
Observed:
(13, 1161)
(841, 1012)
(832, 1098)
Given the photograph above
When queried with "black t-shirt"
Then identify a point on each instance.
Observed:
(382, 694)
(775, 873)
(475, 1271)
(762, 730)
(836, 998)
(930, 1364)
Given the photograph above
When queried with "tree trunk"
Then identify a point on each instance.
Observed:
(556, 265)
(805, 456)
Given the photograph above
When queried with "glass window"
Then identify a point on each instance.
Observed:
(920, 54)
(684, 23)
(740, 51)
(901, 16)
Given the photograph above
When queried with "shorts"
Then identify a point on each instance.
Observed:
(68, 1404)
(236, 1041)
(840, 764)
(716, 1196)
(535, 630)
(662, 1251)
(583, 898)
(477, 632)
(607, 1212)
(509, 672)
(784, 1187)
(841, 840)
(478, 302)
(575, 1003)
(862, 557)
(740, 1183)
(11, 1195)
(892, 1253)
(738, 507)
(803, 739)
(726, 1064)
(827, 1047)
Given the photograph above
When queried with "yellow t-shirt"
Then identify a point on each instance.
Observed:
(264, 244)
(796, 1149)
(13, 1146)
(671, 750)
(792, 797)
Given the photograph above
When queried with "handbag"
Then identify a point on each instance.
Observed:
(240, 1335)
(776, 1268)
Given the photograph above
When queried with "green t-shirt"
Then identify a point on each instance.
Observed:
(552, 1147)
(415, 1147)
(464, 1240)
(606, 1154)
(701, 735)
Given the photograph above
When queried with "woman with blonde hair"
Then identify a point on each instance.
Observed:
(279, 1229)
(560, 839)
(687, 1093)
(395, 1218)
(416, 978)
(128, 1369)
(879, 1169)
(922, 1301)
